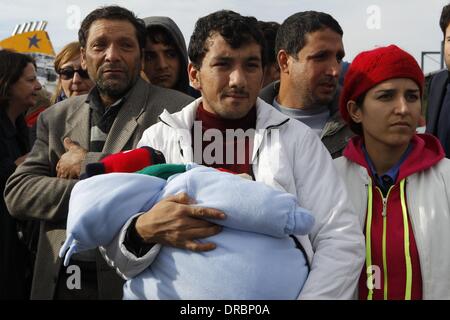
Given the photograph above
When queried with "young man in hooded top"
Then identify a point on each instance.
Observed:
(165, 56)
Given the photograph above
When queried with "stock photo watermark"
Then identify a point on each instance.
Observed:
(373, 277)
(73, 281)
(73, 20)
(236, 141)
(374, 17)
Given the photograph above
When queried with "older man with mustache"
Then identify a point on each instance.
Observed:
(80, 130)
(309, 51)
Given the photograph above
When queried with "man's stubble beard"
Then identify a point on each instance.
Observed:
(114, 90)
(117, 89)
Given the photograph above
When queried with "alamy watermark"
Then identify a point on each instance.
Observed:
(74, 280)
(373, 277)
(374, 19)
(262, 143)
(73, 21)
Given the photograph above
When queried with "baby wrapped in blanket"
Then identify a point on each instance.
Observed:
(255, 257)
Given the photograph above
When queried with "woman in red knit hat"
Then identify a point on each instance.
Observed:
(398, 180)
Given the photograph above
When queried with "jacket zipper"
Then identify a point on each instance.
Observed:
(384, 251)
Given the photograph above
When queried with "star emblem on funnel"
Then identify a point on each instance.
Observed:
(33, 42)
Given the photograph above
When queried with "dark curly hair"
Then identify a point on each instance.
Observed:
(237, 31)
(291, 35)
(112, 13)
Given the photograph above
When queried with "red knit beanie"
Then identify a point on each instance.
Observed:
(370, 68)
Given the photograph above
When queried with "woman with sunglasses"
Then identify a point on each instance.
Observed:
(18, 93)
(73, 80)
(398, 180)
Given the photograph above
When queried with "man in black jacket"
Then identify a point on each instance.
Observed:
(438, 111)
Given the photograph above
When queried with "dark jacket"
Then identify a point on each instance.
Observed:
(335, 134)
(436, 94)
(15, 258)
(34, 191)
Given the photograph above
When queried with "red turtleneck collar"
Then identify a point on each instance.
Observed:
(212, 121)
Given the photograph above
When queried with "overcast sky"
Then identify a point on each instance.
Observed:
(411, 24)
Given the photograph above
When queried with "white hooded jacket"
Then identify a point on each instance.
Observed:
(428, 207)
(289, 156)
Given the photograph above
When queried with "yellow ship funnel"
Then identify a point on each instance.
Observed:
(34, 41)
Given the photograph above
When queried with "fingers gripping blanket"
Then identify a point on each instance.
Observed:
(255, 258)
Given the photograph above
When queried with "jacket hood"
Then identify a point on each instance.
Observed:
(171, 27)
(426, 152)
(269, 92)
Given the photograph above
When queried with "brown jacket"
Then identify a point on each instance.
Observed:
(34, 192)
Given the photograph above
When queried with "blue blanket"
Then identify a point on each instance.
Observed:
(255, 258)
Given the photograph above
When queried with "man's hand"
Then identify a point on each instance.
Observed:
(69, 166)
(173, 222)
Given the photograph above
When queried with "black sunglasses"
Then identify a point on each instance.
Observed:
(67, 73)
